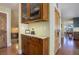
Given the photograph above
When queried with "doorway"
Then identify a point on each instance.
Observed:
(3, 30)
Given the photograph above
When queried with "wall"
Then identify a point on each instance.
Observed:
(52, 27)
(15, 17)
(8, 12)
(41, 28)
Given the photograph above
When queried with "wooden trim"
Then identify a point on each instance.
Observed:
(41, 10)
(57, 11)
(45, 11)
(28, 9)
(21, 10)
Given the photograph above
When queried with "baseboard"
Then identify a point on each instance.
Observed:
(57, 50)
(19, 51)
(9, 45)
(51, 52)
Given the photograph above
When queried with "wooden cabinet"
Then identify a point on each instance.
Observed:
(34, 12)
(25, 42)
(34, 46)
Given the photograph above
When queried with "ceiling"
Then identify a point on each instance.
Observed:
(69, 10)
(10, 5)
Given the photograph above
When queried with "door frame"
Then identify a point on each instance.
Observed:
(7, 11)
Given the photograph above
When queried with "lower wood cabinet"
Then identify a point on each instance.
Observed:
(34, 45)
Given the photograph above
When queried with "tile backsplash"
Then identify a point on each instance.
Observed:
(40, 28)
(24, 27)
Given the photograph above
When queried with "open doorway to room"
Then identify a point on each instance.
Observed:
(69, 29)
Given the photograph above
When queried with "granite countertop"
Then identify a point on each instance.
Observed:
(37, 36)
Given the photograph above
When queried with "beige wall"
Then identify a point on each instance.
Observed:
(15, 18)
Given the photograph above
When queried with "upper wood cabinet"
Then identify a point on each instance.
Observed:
(34, 12)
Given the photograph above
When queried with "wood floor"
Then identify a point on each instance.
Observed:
(69, 47)
(13, 50)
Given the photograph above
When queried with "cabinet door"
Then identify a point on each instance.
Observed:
(27, 45)
(40, 46)
(36, 46)
(25, 12)
(23, 44)
(33, 49)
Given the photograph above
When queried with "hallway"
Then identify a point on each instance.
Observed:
(69, 47)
